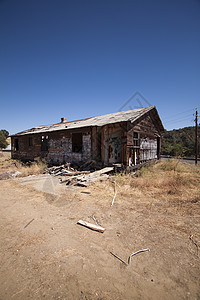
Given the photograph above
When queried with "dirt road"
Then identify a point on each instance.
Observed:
(54, 258)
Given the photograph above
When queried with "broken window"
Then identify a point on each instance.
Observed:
(136, 139)
(44, 143)
(30, 141)
(16, 144)
(77, 142)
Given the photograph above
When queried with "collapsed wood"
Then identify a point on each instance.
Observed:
(129, 259)
(59, 169)
(71, 173)
(85, 177)
(81, 184)
(65, 169)
(91, 226)
(90, 165)
(78, 178)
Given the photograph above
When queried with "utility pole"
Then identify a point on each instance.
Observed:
(196, 136)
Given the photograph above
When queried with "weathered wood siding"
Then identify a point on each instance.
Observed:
(111, 144)
(148, 146)
(123, 142)
(59, 145)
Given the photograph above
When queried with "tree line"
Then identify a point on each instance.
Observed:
(3, 138)
(176, 142)
(179, 142)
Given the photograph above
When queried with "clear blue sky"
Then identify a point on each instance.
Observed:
(83, 58)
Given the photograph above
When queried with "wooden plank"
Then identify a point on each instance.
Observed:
(95, 143)
(123, 145)
(91, 226)
(102, 145)
(92, 143)
(107, 144)
(102, 171)
(71, 173)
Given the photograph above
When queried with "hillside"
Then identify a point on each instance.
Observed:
(179, 142)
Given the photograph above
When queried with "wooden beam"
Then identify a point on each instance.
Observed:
(123, 144)
(92, 143)
(91, 226)
(102, 145)
(107, 144)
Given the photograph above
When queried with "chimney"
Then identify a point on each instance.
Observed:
(63, 120)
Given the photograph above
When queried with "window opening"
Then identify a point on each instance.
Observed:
(136, 139)
(44, 143)
(77, 142)
(30, 141)
(16, 145)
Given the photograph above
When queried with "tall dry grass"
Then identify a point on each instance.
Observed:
(34, 168)
(164, 179)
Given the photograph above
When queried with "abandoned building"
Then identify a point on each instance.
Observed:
(127, 138)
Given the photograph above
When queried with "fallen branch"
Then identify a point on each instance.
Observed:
(119, 258)
(93, 217)
(29, 223)
(191, 238)
(114, 195)
(91, 226)
(129, 259)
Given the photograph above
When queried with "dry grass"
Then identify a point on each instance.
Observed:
(8, 164)
(172, 181)
(165, 180)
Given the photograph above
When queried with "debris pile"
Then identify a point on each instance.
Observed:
(86, 177)
(9, 174)
(58, 170)
(91, 165)
(70, 176)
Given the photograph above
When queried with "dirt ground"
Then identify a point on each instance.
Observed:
(54, 258)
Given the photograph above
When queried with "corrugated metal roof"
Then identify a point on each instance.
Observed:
(122, 116)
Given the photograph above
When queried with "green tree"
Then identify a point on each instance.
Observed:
(3, 136)
(5, 132)
(179, 142)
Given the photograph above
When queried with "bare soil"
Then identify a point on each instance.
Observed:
(54, 258)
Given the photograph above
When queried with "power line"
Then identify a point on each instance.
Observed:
(174, 115)
(171, 120)
(178, 121)
(196, 131)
